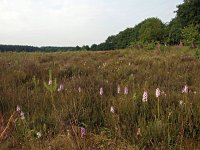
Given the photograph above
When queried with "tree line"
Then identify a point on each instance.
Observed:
(184, 29)
(21, 48)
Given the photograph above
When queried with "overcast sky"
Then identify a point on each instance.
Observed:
(75, 22)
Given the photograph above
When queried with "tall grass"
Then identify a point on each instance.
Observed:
(169, 122)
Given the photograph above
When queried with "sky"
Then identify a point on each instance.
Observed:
(75, 22)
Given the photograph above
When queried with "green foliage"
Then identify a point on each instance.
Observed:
(85, 47)
(190, 34)
(35, 81)
(149, 46)
(148, 31)
(21, 48)
(51, 87)
(124, 38)
(174, 32)
(151, 30)
(189, 13)
(197, 53)
(93, 47)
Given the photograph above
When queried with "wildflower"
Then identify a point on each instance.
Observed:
(129, 63)
(68, 134)
(195, 92)
(157, 92)
(125, 90)
(104, 64)
(50, 82)
(61, 88)
(181, 102)
(101, 91)
(22, 115)
(118, 89)
(139, 132)
(39, 135)
(79, 89)
(18, 109)
(83, 132)
(185, 89)
(145, 96)
(112, 110)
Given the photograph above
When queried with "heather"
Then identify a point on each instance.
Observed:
(123, 99)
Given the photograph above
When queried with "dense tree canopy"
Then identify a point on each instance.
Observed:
(152, 30)
(189, 12)
(190, 34)
(174, 34)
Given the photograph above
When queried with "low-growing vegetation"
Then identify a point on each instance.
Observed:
(123, 99)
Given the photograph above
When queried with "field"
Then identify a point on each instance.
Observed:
(94, 100)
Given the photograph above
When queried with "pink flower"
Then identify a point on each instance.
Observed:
(79, 89)
(180, 102)
(61, 88)
(185, 89)
(18, 109)
(145, 96)
(125, 90)
(118, 89)
(50, 82)
(39, 135)
(139, 132)
(83, 132)
(157, 92)
(22, 115)
(101, 91)
(112, 110)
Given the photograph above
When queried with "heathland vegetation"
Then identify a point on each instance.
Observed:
(122, 99)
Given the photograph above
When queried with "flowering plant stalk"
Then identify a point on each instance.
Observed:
(158, 108)
(51, 86)
(158, 105)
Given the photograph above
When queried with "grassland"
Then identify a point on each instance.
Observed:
(170, 121)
